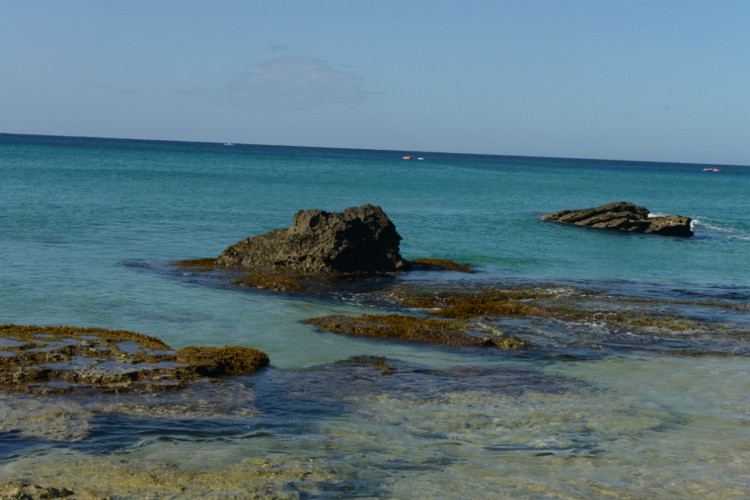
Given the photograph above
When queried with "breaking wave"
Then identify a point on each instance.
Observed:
(727, 230)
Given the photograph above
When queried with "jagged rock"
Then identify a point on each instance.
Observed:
(359, 239)
(624, 216)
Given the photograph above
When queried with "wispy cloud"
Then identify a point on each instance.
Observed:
(296, 83)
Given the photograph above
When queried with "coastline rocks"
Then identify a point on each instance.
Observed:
(64, 358)
(356, 240)
(624, 216)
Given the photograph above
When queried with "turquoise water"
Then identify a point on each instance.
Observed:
(87, 225)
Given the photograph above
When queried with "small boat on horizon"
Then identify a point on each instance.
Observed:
(712, 170)
(229, 144)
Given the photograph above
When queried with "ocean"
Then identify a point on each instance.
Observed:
(89, 226)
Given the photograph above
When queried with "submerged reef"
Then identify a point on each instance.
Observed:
(65, 358)
(95, 477)
(275, 451)
(548, 318)
(461, 321)
(624, 216)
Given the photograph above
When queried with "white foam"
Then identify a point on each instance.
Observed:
(731, 233)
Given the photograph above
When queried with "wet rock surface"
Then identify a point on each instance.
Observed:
(25, 490)
(624, 216)
(65, 358)
(358, 239)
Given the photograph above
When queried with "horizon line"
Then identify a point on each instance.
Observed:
(400, 151)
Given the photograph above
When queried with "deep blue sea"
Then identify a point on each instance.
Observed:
(87, 227)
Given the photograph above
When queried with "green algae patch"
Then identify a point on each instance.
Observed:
(43, 359)
(475, 305)
(440, 265)
(468, 304)
(208, 264)
(275, 281)
(39, 335)
(448, 332)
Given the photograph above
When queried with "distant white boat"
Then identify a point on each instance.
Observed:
(229, 144)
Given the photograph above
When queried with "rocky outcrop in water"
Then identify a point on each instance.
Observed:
(358, 239)
(624, 216)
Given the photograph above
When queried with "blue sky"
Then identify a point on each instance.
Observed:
(664, 80)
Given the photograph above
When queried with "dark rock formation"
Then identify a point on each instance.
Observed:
(624, 216)
(359, 239)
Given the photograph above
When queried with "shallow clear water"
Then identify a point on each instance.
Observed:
(87, 226)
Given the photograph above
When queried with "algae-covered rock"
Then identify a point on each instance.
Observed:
(468, 304)
(440, 264)
(227, 360)
(66, 358)
(624, 216)
(358, 239)
(452, 333)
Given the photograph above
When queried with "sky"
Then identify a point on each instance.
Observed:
(660, 80)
